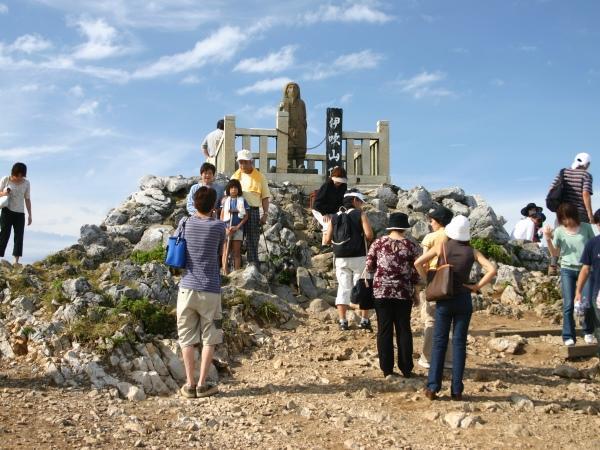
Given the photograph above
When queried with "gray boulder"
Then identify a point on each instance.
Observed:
(417, 199)
(454, 193)
(305, 283)
(388, 194)
(485, 224)
(249, 278)
(154, 236)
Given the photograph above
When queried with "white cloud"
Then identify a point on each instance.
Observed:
(528, 48)
(33, 152)
(3, 8)
(498, 82)
(218, 47)
(30, 87)
(87, 108)
(101, 40)
(424, 85)
(271, 84)
(191, 79)
(30, 43)
(76, 91)
(349, 12)
(365, 59)
(273, 62)
(346, 98)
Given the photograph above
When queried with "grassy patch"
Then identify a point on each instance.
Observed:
(99, 323)
(157, 254)
(284, 277)
(491, 250)
(268, 312)
(156, 319)
(54, 295)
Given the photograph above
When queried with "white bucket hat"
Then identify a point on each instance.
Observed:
(245, 155)
(581, 160)
(355, 194)
(459, 229)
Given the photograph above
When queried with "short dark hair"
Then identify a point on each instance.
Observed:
(233, 183)
(204, 199)
(597, 217)
(19, 169)
(221, 124)
(567, 211)
(208, 166)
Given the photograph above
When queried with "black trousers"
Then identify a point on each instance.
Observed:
(10, 219)
(393, 313)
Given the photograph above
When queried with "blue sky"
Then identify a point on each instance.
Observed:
(493, 96)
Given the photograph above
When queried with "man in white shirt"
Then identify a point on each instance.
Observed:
(211, 142)
(526, 228)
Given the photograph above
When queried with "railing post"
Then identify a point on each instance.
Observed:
(282, 141)
(227, 155)
(350, 157)
(383, 152)
(263, 146)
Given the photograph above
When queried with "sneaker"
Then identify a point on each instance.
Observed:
(206, 390)
(366, 325)
(188, 391)
(569, 342)
(552, 270)
(423, 363)
(589, 339)
(391, 376)
(344, 326)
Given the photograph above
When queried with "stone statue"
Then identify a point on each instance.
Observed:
(293, 104)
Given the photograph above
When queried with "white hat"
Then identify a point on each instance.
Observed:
(355, 194)
(581, 159)
(245, 155)
(459, 229)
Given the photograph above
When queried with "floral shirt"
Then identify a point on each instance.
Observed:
(393, 263)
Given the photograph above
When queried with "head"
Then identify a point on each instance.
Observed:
(398, 223)
(338, 176)
(538, 218)
(233, 188)
(530, 210)
(19, 170)
(459, 229)
(291, 91)
(581, 161)
(204, 200)
(439, 217)
(207, 173)
(597, 218)
(353, 199)
(221, 124)
(245, 161)
(567, 215)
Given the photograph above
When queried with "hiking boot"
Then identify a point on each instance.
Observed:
(429, 394)
(456, 397)
(552, 270)
(188, 391)
(206, 390)
(344, 326)
(366, 325)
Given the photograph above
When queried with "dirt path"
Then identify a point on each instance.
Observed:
(317, 387)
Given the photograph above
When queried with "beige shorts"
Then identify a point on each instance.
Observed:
(238, 235)
(198, 318)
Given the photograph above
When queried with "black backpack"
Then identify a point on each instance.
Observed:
(347, 238)
(555, 195)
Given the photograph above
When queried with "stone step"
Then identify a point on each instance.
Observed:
(580, 351)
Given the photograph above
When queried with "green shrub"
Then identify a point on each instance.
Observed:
(57, 259)
(157, 254)
(99, 323)
(284, 277)
(491, 250)
(268, 311)
(156, 319)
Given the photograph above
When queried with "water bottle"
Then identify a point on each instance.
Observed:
(579, 309)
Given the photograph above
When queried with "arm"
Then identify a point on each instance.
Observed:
(587, 201)
(372, 257)
(328, 234)
(191, 209)
(28, 206)
(265, 207)
(554, 251)
(583, 276)
(488, 268)
(369, 235)
(222, 209)
(424, 259)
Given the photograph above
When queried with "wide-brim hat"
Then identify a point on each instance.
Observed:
(525, 211)
(244, 155)
(459, 229)
(441, 215)
(398, 221)
(356, 194)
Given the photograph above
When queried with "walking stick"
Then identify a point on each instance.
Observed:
(228, 245)
(262, 231)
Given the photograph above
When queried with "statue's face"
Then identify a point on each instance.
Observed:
(292, 91)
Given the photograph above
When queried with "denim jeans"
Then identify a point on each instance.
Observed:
(456, 313)
(568, 282)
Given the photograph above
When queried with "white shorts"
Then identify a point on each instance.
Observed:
(348, 272)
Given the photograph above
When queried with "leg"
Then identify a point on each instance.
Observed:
(209, 308)
(428, 318)
(189, 354)
(588, 323)
(443, 320)
(253, 235)
(568, 280)
(5, 227)
(344, 277)
(208, 352)
(404, 339)
(224, 258)
(236, 247)
(385, 336)
(188, 323)
(462, 318)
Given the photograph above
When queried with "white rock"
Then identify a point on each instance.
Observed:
(131, 392)
(454, 419)
(508, 344)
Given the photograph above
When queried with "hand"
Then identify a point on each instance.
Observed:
(263, 219)
(577, 298)
(230, 231)
(548, 232)
(29, 220)
(473, 288)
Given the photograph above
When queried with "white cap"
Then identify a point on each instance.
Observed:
(245, 155)
(581, 159)
(355, 194)
(459, 229)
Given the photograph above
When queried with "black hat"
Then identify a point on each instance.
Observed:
(441, 215)
(398, 221)
(530, 206)
(539, 215)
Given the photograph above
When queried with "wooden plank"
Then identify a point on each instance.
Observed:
(256, 132)
(580, 351)
(529, 332)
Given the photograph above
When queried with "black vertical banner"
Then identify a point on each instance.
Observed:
(333, 142)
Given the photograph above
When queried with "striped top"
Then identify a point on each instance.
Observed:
(204, 241)
(577, 181)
